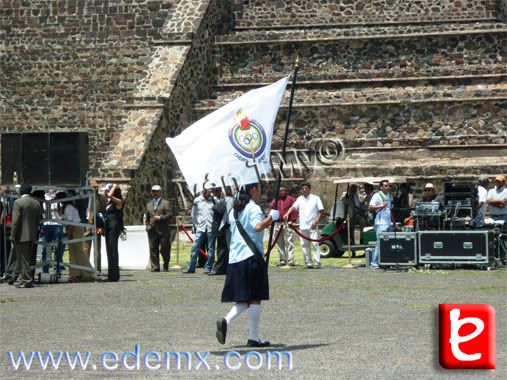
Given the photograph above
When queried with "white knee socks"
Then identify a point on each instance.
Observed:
(254, 316)
(236, 310)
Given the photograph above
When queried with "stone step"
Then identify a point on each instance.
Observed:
(310, 155)
(286, 12)
(358, 32)
(419, 119)
(404, 73)
(418, 164)
(359, 83)
(465, 166)
(324, 95)
(443, 55)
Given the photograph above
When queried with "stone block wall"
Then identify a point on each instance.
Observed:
(268, 13)
(414, 88)
(100, 19)
(192, 81)
(403, 124)
(405, 56)
(65, 85)
(126, 71)
(74, 64)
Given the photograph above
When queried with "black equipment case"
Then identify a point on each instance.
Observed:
(456, 247)
(398, 249)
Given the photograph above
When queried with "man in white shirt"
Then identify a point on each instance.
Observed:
(482, 196)
(497, 200)
(380, 204)
(310, 211)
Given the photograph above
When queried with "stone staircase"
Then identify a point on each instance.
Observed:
(408, 88)
(384, 86)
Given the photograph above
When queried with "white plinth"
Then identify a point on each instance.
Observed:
(134, 252)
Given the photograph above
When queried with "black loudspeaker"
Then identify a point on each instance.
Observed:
(35, 159)
(45, 159)
(69, 158)
(11, 157)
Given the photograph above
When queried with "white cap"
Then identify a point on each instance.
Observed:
(156, 188)
(106, 187)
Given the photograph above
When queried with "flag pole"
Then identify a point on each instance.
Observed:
(279, 179)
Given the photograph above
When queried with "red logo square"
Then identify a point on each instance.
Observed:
(467, 336)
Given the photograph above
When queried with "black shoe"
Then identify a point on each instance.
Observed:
(11, 280)
(166, 269)
(24, 285)
(257, 343)
(154, 270)
(221, 330)
(186, 270)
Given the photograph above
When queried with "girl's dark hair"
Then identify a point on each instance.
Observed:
(244, 197)
(117, 193)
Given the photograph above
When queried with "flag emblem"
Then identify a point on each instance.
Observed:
(247, 136)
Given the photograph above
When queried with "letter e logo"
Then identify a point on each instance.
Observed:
(467, 336)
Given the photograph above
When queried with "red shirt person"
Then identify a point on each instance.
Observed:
(285, 243)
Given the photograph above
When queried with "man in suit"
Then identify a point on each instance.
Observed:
(25, 227)
(157, 219)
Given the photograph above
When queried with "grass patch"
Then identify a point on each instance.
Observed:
(426, 270)
(7, 300)
(185, 248)
(488, 289)
(417, 306)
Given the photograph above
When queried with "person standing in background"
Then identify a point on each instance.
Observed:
(98, 219)
(114, 226)
(221, 231)
(381, 204)
(52, 231)
(158, 214)
(202, 219)
(25, 231)
(497, 200)
(310, 211)
(77, 257)
(286, 241)
(482, 205)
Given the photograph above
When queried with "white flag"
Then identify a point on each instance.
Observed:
(231, 141)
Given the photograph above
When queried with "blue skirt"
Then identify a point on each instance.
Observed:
(246, 281)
